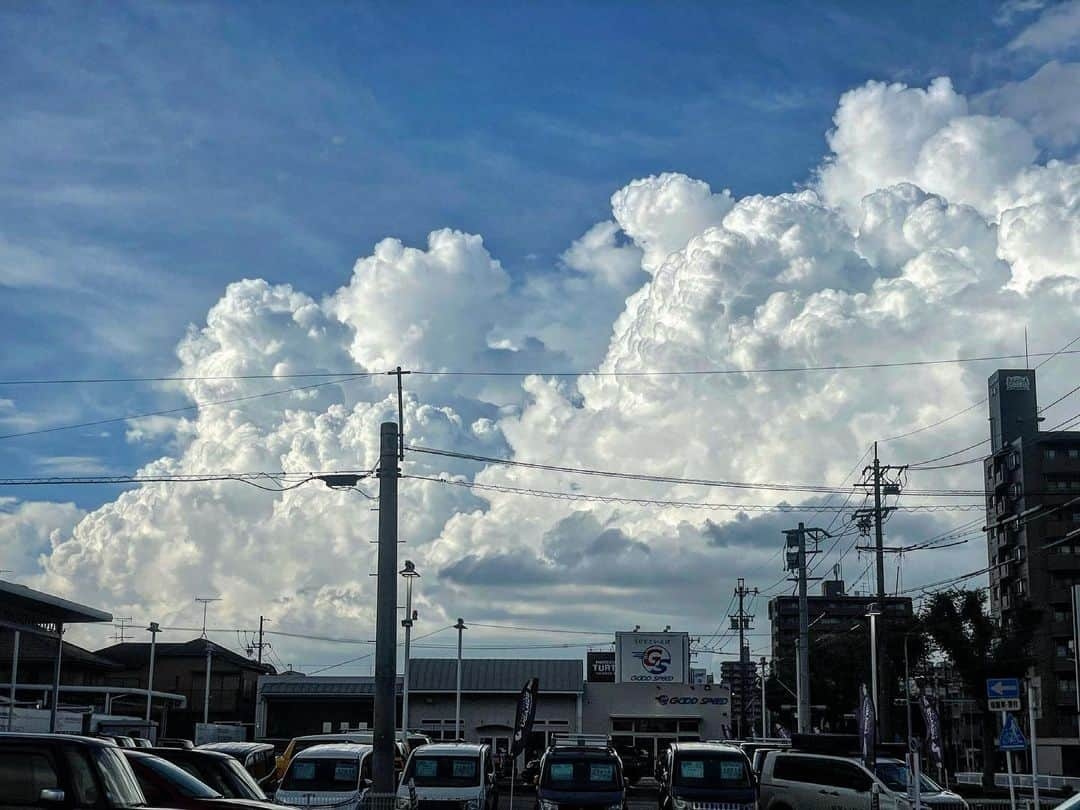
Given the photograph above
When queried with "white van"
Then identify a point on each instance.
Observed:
(336, 774)
(461, 773)
(793, 780)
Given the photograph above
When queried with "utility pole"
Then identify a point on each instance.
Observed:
(764, 711)
(796, 555)
(386, 613)
(206, 692)
(260, 644)
(460, 626)
(153, 629)
(875, 480)
(741, 622)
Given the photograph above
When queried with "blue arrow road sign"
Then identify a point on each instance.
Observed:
(1012, 738)
(1003, 688)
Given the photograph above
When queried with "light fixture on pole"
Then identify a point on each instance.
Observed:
(153, 630)
(409, 572)
(460, 626)
(873, 613)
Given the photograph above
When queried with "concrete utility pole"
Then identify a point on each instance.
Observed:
(796, 561)
(206, 693)
(55, 704)
(741, 622)
(408, 571)
(153, 629)
(386, 613)
(260, 644)
(764, 710)
(14, 678)
(873, 614)
(460, 626)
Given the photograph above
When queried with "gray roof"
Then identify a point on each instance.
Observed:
(29, 606)
(495, 674)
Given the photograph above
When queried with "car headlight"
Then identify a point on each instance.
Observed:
(403, 803)
(680, 804)
(472, 804)
(546, 805)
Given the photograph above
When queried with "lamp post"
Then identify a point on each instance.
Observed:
(460, 626)
(153, 629)
(408, 571)
(873, 613)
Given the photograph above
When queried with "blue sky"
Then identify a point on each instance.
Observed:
(152, 153)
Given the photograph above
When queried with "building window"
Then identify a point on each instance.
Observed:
(1062, 614)
(1063, 649)
(1049, 453)
(1074, 452)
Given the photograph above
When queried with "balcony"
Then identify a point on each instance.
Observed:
(1062, 562)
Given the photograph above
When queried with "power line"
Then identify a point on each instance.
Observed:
(732, 507)
(269, 481)
(207, 378)
(167, 411)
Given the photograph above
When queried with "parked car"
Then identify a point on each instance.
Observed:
(216, 770)
(175, 742)
(142, 742)
(794, 779)
(298, 744)
(121, 740)
(580, 771)
(445, 774)
(171, 786)
(714, 774)
(66, 771)
(331, 774)
(636, 764)
(257, 758)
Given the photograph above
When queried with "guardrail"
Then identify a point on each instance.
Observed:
(1022, 803)
(1022, 780)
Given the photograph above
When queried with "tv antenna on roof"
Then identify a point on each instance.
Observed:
(205, 600)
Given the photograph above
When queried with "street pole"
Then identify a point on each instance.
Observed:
(873, 663)
(804, 639)
(386, 613)
(153, 629)
(741, 622)
(907, 688)
(1008, 766)
(206, 693)
(460, 626)
(764, 719)
(408, 571)
(14, 677)
(1034, 745)
(261, 620)
(56, 678)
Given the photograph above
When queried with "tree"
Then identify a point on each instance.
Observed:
(979, 647)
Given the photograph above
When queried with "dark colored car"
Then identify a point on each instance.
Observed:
(216, 770)
(169, 785)
(636, 764)
(580, 776)
(713, 774)
(259, 759)
(53, 771)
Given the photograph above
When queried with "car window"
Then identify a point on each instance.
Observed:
(821, 771)
(184, 783)
(724, 771)
(581, 774)
(322, 774)
(83, 782)
(443, 771)
(23, 775)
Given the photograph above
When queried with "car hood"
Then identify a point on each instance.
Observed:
(716, 795)
(581, 798)
(432, 793)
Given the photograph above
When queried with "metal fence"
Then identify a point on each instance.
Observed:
(1022, 803)
(1022, 780)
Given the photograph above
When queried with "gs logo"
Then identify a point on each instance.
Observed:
(655, 659)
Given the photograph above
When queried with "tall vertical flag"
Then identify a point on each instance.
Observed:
(867, 728)
(933, 729)
(526, 714)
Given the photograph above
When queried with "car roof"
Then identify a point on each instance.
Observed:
(338, 750)
(707, 747)
(449, 748)
(234, 746)
(98, 741)
(166, 753)
(342, 736)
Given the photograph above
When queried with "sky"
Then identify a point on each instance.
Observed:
(201, 189)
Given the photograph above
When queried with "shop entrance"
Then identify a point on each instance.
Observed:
(649, 737)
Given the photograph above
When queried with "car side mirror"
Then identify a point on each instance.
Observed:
(51, 796)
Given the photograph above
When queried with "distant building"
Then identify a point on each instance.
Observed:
(731, 676)
(180, 668)
(1032, 485)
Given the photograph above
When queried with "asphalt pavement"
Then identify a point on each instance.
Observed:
(642, 797)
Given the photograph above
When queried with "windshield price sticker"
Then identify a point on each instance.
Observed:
(601, 772)
(692, 769)
(464, 768)
(304, 771)
(346, 772)
(562, 771)
(731, 771)
(426, 767)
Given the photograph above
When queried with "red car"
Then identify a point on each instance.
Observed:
(171, 786)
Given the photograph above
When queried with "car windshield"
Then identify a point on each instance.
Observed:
(443, 771)
(226, 776)
(895, 776)
(117, 780)
(712, 771)
(323, 773)
(180, 779)
(581, 774)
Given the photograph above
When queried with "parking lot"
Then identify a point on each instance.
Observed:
(642, 797)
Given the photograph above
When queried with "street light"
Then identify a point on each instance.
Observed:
(408, 571)
(460, 626)
(153, 630)
(873, 613)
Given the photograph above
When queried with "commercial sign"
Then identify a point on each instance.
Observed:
(652, 657)
(601, 667)
(691, 700)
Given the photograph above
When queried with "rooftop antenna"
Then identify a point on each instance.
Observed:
(205, 600)
(122, 624)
